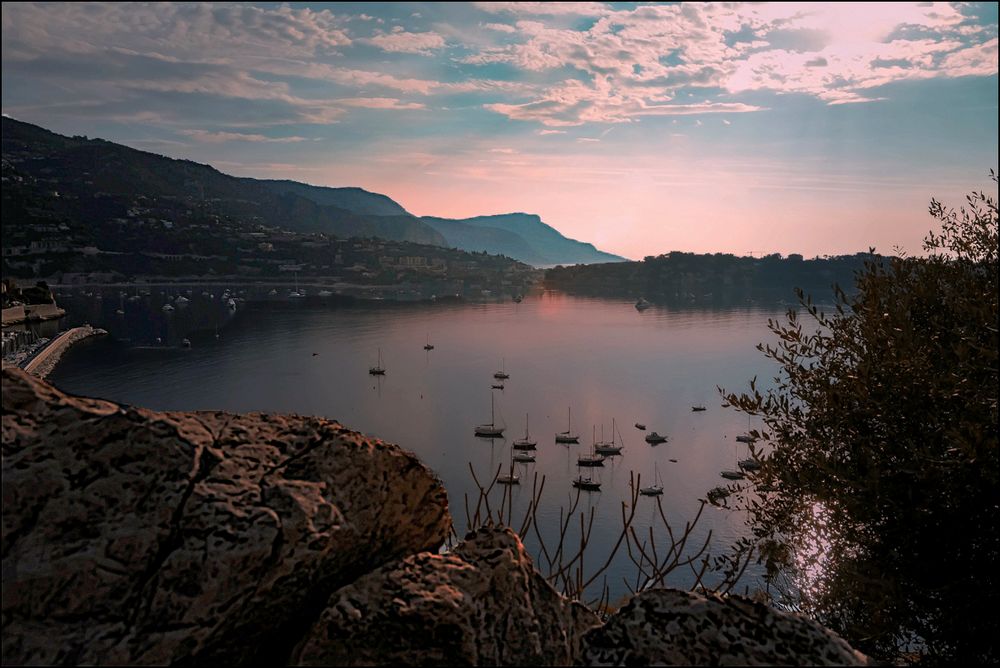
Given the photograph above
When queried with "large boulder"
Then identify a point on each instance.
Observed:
(481, 604)
(669, 627)
(134, 536)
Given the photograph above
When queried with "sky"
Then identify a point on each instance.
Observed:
(809, 128)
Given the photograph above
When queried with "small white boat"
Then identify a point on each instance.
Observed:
(295, 294)
(518, 298)
(490, 430)
(231, 304)
(524, 457)
(525, 443)
(324, 293)
(167, 308)
(656, 488)
(642, 304)
(593, 459)
(698, 409)
(717, 494)
(567, 436)
(186, 343)
(613, 448)
(272, 293)
(586, 483)
(378, 369)
(497, 387)
(511, 477)
(641, 426)
(428, 346)
(182, 301)
(749, 465)
(502, 374)
(654, 438)
(733, 475)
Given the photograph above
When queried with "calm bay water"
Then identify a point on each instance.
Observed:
(602, 358)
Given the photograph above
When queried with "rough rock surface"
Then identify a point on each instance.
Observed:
(669, 627)
(481, 604)
(132, 536)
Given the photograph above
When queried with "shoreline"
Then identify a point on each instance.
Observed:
(45, 360)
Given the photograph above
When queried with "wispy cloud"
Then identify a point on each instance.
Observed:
(222, 137)
(400, 41)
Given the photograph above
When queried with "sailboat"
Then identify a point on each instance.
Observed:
(717, 494)
(296, 293)
(592, 459)
(502, 373)
(428, 346)
(656, 488)
(611, 448)
(586, 483)
(733, 474)
(490, 430)
(525, 443)
(378, 369)
(510, 478)
(567, 436)
(750, 464)
(655, 439)
(746, 438)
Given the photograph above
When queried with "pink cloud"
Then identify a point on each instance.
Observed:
(207, 137)
(544, 8)
(400, 41)
(623, 54)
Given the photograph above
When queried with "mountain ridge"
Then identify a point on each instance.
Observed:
(347, 211)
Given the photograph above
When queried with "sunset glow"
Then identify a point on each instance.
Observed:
(793, 127)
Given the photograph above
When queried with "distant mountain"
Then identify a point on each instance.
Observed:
(522, 236)
(87, 167)
(91, 166)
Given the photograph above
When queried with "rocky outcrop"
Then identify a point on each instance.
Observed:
(139, 537)
(132, 536)
(482, 604)
(668, 627)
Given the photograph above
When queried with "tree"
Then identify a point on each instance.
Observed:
(875, 507)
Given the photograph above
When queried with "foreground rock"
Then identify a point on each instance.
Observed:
(669, 627)
(482, 604)
(131, 536)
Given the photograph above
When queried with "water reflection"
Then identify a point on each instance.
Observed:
(602, 359)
